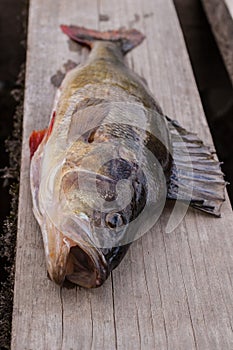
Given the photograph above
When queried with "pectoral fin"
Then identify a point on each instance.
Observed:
(35, 140)
(196, 176)
(37, 136)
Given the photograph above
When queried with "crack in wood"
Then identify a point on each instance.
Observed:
(138, 327)
(162, 307)
(92, 328)
(62, 318)
(189, 311)
(113, 312)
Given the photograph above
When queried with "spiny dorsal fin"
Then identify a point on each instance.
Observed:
(195, 168)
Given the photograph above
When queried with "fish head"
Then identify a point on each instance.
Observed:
(88, 205)
(95, 207)
(85, 224)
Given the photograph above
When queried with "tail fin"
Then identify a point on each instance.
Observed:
(127, 38)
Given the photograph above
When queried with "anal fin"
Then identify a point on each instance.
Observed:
(196, 176)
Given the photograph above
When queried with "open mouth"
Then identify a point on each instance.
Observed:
(83, 270)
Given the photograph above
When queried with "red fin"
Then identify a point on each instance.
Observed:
(35, 139)
(37, 136)
(128, 38)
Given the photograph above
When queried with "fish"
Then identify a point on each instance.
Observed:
(101, 173)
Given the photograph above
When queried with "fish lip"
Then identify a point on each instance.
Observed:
(61, 262)
(91, 276)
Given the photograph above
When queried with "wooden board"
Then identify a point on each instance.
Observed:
(172, 291)
(220, 16)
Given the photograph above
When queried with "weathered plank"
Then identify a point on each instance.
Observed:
(172, 291)
(220, 16)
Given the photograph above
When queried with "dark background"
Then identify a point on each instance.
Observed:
(12, 39)
(11, 57)
(13, 18)
(212, 80)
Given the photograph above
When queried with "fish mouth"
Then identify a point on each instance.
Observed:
(77, 262)
(86, 269)
(72, 256)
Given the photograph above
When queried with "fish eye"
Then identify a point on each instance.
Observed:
(114, 220)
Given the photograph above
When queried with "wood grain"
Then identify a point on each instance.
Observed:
(172, 291)
(220, 16)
